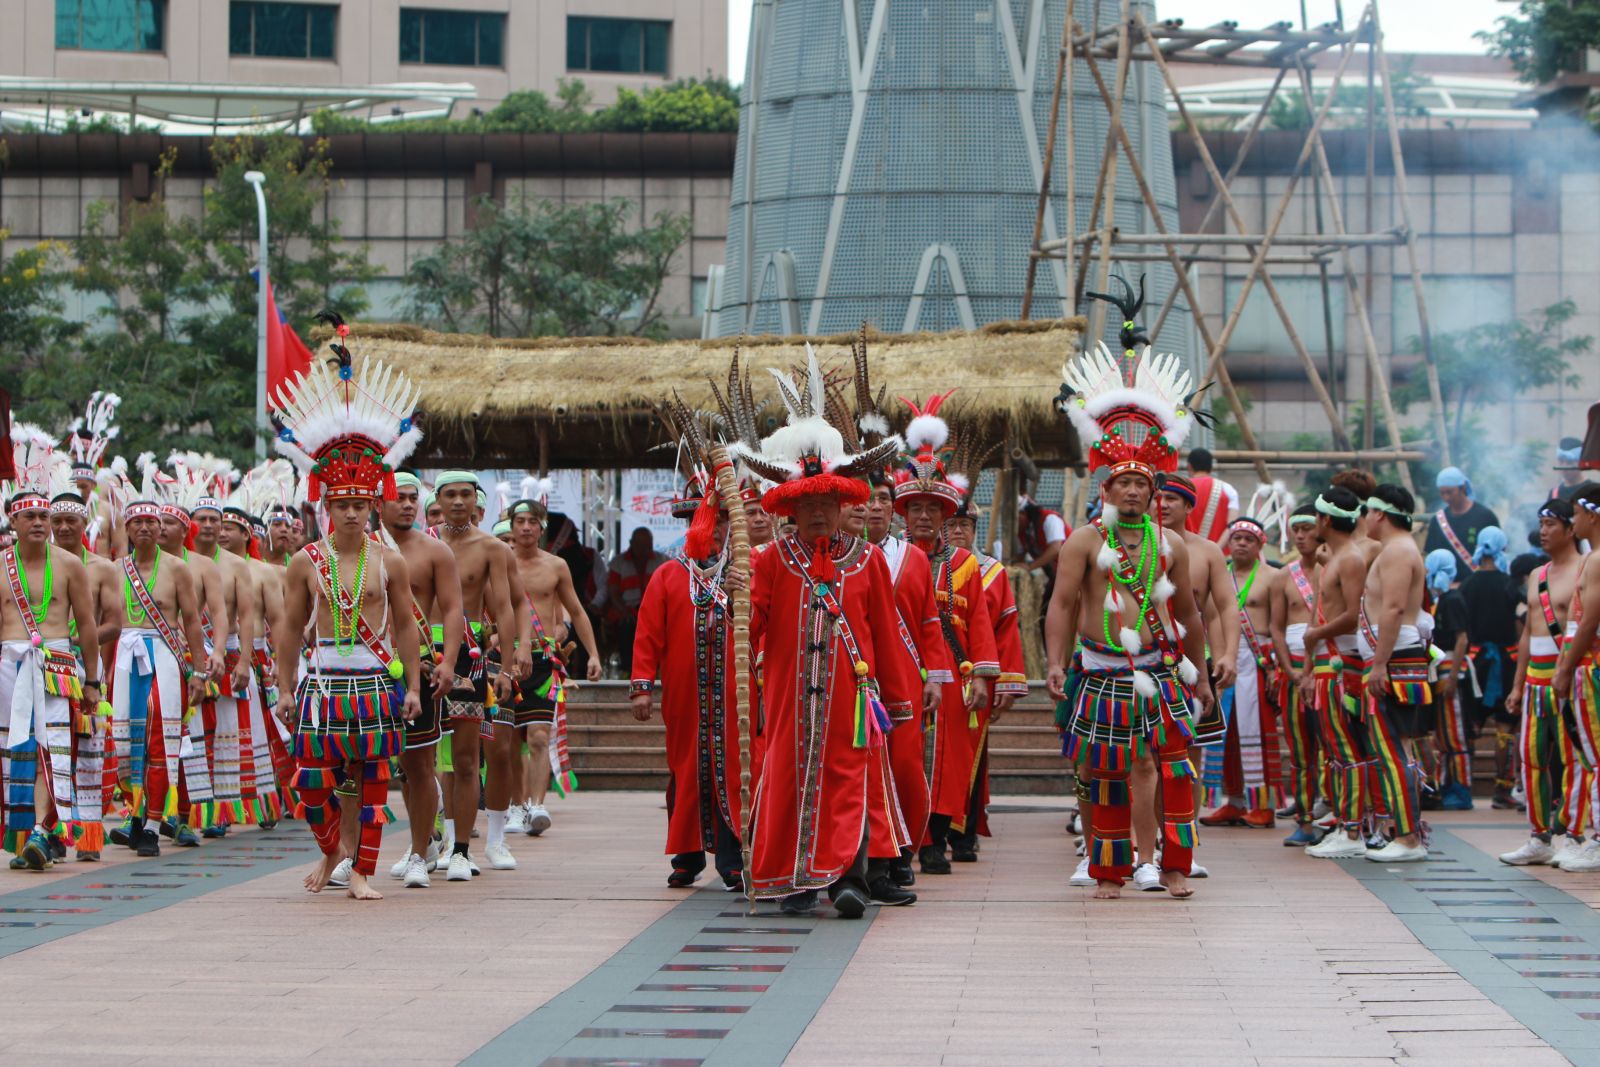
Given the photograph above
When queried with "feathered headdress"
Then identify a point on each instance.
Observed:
(88, 436)
(966, 464)
(807, 456)
(31, 452)
(1128, 427)
(699, 501)
(348, 428)
(924, 469)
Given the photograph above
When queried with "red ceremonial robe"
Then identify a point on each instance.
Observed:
(899, 812)
(969, 635)
(690, 646)
(1002, 605)
(811, 801)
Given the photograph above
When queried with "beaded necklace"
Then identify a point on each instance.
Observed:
(344, 637)
(1139, 585)
(1243, 591)
(703, 582)
(130, 599)
(41, 609)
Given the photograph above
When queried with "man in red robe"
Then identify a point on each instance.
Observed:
(684, 638)
(962, 531)
(833, 666)
(927, 495)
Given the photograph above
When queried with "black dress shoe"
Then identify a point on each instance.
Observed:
(890, 895)
(849, 903)
(901, 874)
(802, 903)
(933, 861)
(681, 879)
(149, 844)
(964, 855)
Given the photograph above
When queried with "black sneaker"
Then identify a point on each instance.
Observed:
(959, 854)
(802, 903)
(149, 845)
(125, 835)
(850, 904)
(267, 824)
(681, 879)
(890, 895)
(58, 848)
(933, 860)
(901, 874)
(733, 881)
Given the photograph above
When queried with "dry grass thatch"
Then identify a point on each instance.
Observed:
(1005, 371)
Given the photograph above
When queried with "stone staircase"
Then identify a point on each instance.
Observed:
(612, 751)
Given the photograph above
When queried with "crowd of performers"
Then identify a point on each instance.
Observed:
(187, 657)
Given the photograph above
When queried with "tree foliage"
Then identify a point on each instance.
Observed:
(173, 322)
(542, 268)
(688, 105)
(1290, 111)
(1545, 38)
(33, 330)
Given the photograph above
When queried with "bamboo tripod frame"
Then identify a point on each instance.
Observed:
(1133, 39)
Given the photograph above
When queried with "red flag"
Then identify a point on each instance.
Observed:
(8, 463)
(286, 354)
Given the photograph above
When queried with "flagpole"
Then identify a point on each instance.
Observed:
(263, 431)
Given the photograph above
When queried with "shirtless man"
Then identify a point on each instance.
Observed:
(1250, 772)
(1399, 705)
(1553, 777)
(547, 582)
(1575, 675)
(48, 592)
(358, 714)
(482, 568)
(1293, 602)
(1331, 677)
(160, 624)
(1213, 595)
(1107, 693)
(69, 520)
(436, 592)
(267, 753)
(502, 747)
(283, 535)
(222, 714)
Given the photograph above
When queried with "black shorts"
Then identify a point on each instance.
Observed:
(470, 692)
(423, 731)
(529, 708)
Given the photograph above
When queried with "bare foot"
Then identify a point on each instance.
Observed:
(361, 889)
(1104, 890)
(317, 880)
(1177, 883)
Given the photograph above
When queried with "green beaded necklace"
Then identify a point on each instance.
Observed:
(130, 599)
(41, 609)
(1140, 583)
(344, 637)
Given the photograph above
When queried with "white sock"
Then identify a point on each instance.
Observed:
(153, 825)
(449, 831)
(497, 828)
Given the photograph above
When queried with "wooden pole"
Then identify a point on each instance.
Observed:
(1228, 391)
(739, 560)
(1380, 455)
(1310, 366)
(1048, 166)
(1425, 332)
(1107, 197)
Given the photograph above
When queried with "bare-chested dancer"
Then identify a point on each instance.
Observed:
(547, 582)
(235, 638)
(436, 592)
(1294, 597)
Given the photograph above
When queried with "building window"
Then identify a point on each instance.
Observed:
(281, 31)
(452, 38)
(1455, 302)
(112, 25)
(617, 46)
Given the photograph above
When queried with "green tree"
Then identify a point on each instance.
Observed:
(1290, 111)
(549, 269)
(33, 332)
(1545, 38)
(175, 333)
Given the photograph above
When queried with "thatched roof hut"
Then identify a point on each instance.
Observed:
(586, 402)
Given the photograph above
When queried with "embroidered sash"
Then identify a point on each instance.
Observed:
(152, 611)
(1302, 585)
(1451, 538)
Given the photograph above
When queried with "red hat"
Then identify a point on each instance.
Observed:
(923, 473)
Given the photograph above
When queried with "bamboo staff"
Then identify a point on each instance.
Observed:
(739, 548)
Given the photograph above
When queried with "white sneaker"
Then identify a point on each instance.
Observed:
(432, 858)
(1533, 851)
(1395, 852)
(416, 872)
(340, 878)
(517, 819)
(460, 869)
(1197, 871)
(538, 820)
(1570, 847)
(399, 869)
(1147, 878)
(1081, 877)
(1338, 846)
(500, 858)
(1587, 859)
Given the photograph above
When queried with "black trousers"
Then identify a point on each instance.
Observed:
(854, 876)
(969, 839)
(729, 858)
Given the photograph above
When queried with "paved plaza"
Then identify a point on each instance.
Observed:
(583, 956)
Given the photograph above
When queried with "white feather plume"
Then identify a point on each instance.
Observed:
(927, 431)
(377, 401)
(1187, 672)
(1129, 639)
(1163, 590)
(1144, 685)
(1113, 605)
(1106, 559)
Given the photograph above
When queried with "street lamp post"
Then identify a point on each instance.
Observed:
(263, 431)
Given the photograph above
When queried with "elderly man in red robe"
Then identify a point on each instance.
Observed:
(927, 495)
(834, 668)
(684, 637)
